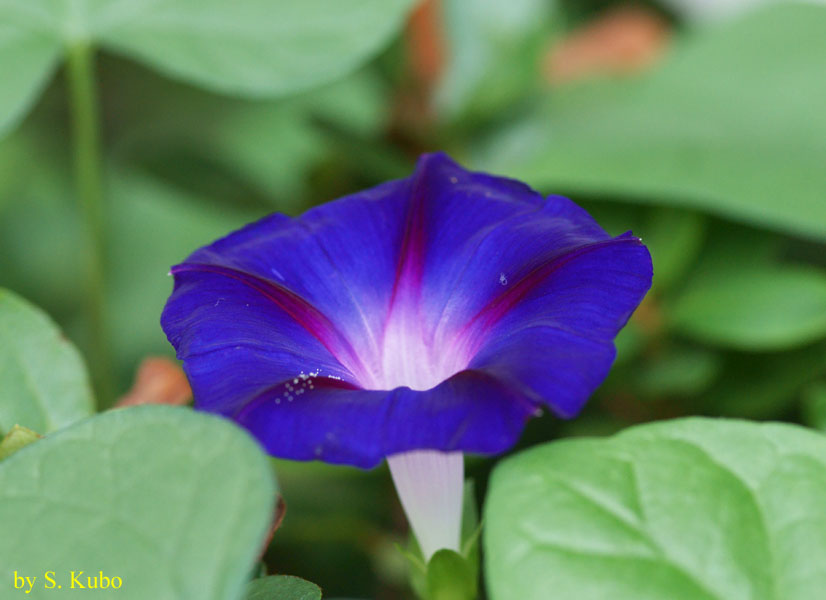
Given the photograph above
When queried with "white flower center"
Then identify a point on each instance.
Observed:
(407, 359)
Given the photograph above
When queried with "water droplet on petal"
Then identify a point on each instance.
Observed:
(502, 279)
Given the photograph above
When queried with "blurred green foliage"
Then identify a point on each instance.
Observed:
(715, 156)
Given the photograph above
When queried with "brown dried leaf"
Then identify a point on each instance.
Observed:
(158, 381)
(626, 39)
(425, 42)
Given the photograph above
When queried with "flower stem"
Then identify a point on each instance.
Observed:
(89, 184)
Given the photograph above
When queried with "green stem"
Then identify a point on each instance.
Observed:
(89, 182)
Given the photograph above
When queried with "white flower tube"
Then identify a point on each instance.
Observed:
(430, 486)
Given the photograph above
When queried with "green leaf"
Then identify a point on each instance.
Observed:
(450, 576)
(753, 307)
(43, 382)
(247, 47)
(175, 503)
(494, 50)
(27, 58)
(691, 509)
(251, 47)
(282, 587)
(731, 123)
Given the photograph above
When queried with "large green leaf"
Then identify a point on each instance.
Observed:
(753, 307)
(175, 503)
(251, 47)
(43, 382)
(247, 47)
(694, 509)
(731, 123)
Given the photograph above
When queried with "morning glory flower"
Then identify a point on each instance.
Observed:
(414, 321)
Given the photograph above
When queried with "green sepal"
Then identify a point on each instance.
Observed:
(451, 576)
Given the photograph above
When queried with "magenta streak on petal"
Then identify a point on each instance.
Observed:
(411, 255)
(405, 358)
(301, 311)
(474, 331)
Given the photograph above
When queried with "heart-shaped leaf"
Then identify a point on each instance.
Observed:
(174, 503)
(43, 383)
(693, 509)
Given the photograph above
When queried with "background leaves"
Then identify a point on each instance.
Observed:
(754, 308)
(248, 47)
(729, 123)
(495, 51)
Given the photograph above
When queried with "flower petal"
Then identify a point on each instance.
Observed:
(554, 340)
(339, 258)
(486, 298)
(338, 423)
(236, 341)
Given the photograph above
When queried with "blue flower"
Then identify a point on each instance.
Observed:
(434, 313)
